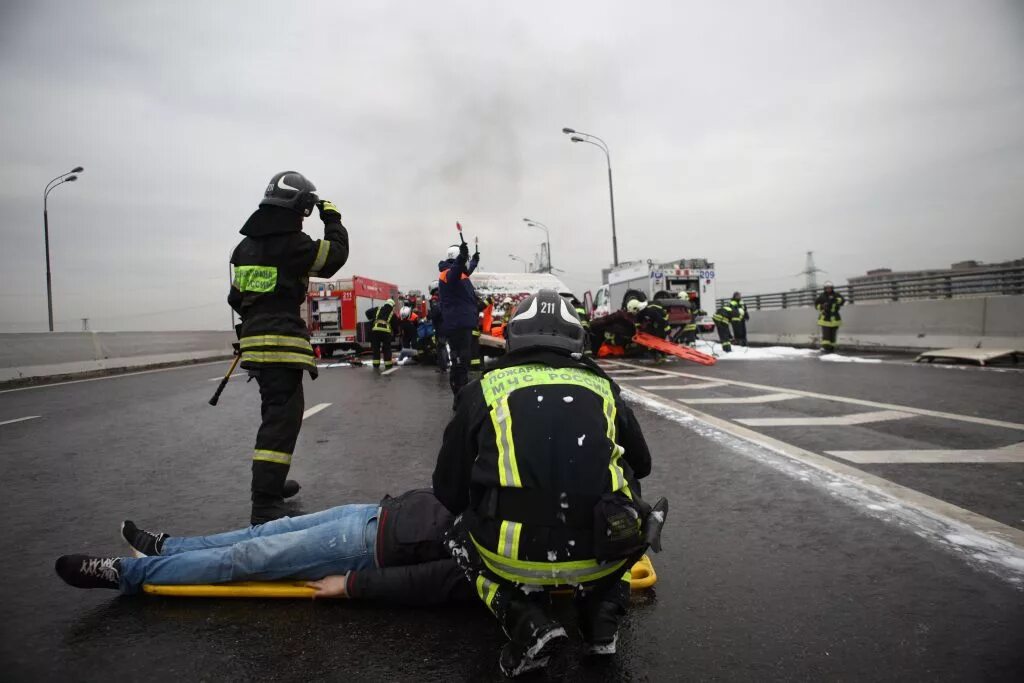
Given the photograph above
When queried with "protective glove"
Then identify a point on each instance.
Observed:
(236, 348)
(328, 211)
(476, 255)
(464, 251)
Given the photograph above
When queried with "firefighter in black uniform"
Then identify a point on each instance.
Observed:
(828, 304)
(652, 319)
(723, 317)
(272, 267)
(381, 333)
(689, 332)
(540, 463)
(738, 319)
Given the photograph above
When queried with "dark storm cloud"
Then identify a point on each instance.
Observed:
(873, 133)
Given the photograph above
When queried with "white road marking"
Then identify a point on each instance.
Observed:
(694, 385)
(985, 543)
(619, 371)
(116, 376)
(852, 401)
(19, 419)
(641, 378)
(314, 410)
(389, 371)
(1012, 453)
(233, 376)
(835, 420)
(761, 398)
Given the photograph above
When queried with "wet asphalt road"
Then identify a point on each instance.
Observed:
(764, 577)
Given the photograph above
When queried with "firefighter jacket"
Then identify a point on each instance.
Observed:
(546, 436)
(739, 311)
(584, 317)
(272, 267)
(458, 298)
(434, 313)
(726, 313)
(383, 319)
(828, 305)
(653, 319)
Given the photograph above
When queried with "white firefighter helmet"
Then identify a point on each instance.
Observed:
(635, 306)
(507, 301)
(828, 284)
(453, 251)
(405, 313)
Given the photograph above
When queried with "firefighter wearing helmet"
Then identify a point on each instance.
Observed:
(828, 304)
(541, 464)
(381, 333)
(458, 310)
(272, 266)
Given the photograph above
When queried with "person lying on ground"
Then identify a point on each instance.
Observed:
(391, 551)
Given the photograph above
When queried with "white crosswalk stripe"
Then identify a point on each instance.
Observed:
(314, 410)
(18, 419)
(694, 385)
(762, 398)
(833, 420)
(1012, 453)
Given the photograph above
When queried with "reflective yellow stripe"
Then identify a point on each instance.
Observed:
(277, 357)
(275, 340)
(486, 589)
(508, 539)
(500, 383)
(321, 257)
(501, 418)
(628, 576)
(272, 456)
(546, 573)
(618, 476)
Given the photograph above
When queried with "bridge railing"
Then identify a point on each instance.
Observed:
(951, 285)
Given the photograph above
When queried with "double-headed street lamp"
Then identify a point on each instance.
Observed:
(66, 177)
(579, 136)
(537, 224)
(526, 266)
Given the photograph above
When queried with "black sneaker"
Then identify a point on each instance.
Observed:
(86, 571)
(143, 543)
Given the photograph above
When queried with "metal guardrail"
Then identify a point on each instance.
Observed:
(952, 285)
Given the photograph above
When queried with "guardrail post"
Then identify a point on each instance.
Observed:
(783, 299)
(894, 290)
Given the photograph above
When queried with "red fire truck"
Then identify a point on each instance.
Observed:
(334, 311)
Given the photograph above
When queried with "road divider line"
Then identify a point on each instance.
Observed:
(234, 376)
(846, 399)
(761, 398)
(1012, 453)
(984, 543)
(692, 385)
(389, 371)
(19, 419)
(834, 420)
(113, 376)
(640, 378)
(314, 410)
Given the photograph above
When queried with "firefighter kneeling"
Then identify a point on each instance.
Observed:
(541, 463)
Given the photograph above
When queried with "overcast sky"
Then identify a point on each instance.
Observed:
(874, 133)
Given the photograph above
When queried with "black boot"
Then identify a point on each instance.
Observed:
(536, 639)
(268, 488)
(599, 626)
(290, 488)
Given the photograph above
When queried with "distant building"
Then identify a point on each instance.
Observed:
(888, 274)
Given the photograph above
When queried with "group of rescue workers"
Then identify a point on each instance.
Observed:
(528, 495)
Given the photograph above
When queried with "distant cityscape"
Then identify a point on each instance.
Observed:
(888, 274)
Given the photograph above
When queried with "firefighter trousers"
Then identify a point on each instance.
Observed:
(739, 332)
(380, 344)
(724, 336)
(459, 345)
(281, 406)
(828, 337)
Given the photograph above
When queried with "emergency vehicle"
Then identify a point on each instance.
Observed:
(334, 311)
(669, 283)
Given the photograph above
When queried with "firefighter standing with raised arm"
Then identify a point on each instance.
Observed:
(828, 304)
(381, 333)
(738, 319)
(540, 463)
(458, 310)
(272, 267)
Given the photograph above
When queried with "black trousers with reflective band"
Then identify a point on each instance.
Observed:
(739, 332)
(724, 336)
(828, 336)
(281, 406)
(459, 345)
(380, 345)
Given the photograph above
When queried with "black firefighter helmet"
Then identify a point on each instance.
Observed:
(291, 190)
(545, 320)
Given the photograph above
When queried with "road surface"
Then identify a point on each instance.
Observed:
(775, 566)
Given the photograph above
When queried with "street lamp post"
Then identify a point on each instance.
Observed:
(579, 136)
(521, 260)
(66, 177)
(547, 235)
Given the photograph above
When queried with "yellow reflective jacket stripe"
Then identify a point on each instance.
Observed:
(321, 257)
(546, 573)
(275, 340)
(277, 357)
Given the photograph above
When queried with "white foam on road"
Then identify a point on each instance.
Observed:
(992, 552)
(837, 358)
(314, 410)
(19, 419)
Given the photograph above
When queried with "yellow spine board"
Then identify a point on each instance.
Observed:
(643, 577)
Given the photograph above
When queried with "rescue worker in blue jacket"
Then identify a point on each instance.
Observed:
(381, 333)
(540, 465)
(458, 310)
(828, 304)
(272, 267)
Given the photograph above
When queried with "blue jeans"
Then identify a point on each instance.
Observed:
(326, 543)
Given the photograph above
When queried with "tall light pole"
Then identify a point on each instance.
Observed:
(66, 177)
(547, 234)
(579, 136)
(526, 266)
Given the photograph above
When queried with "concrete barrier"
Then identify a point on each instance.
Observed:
(985, 322)
(27, 356)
